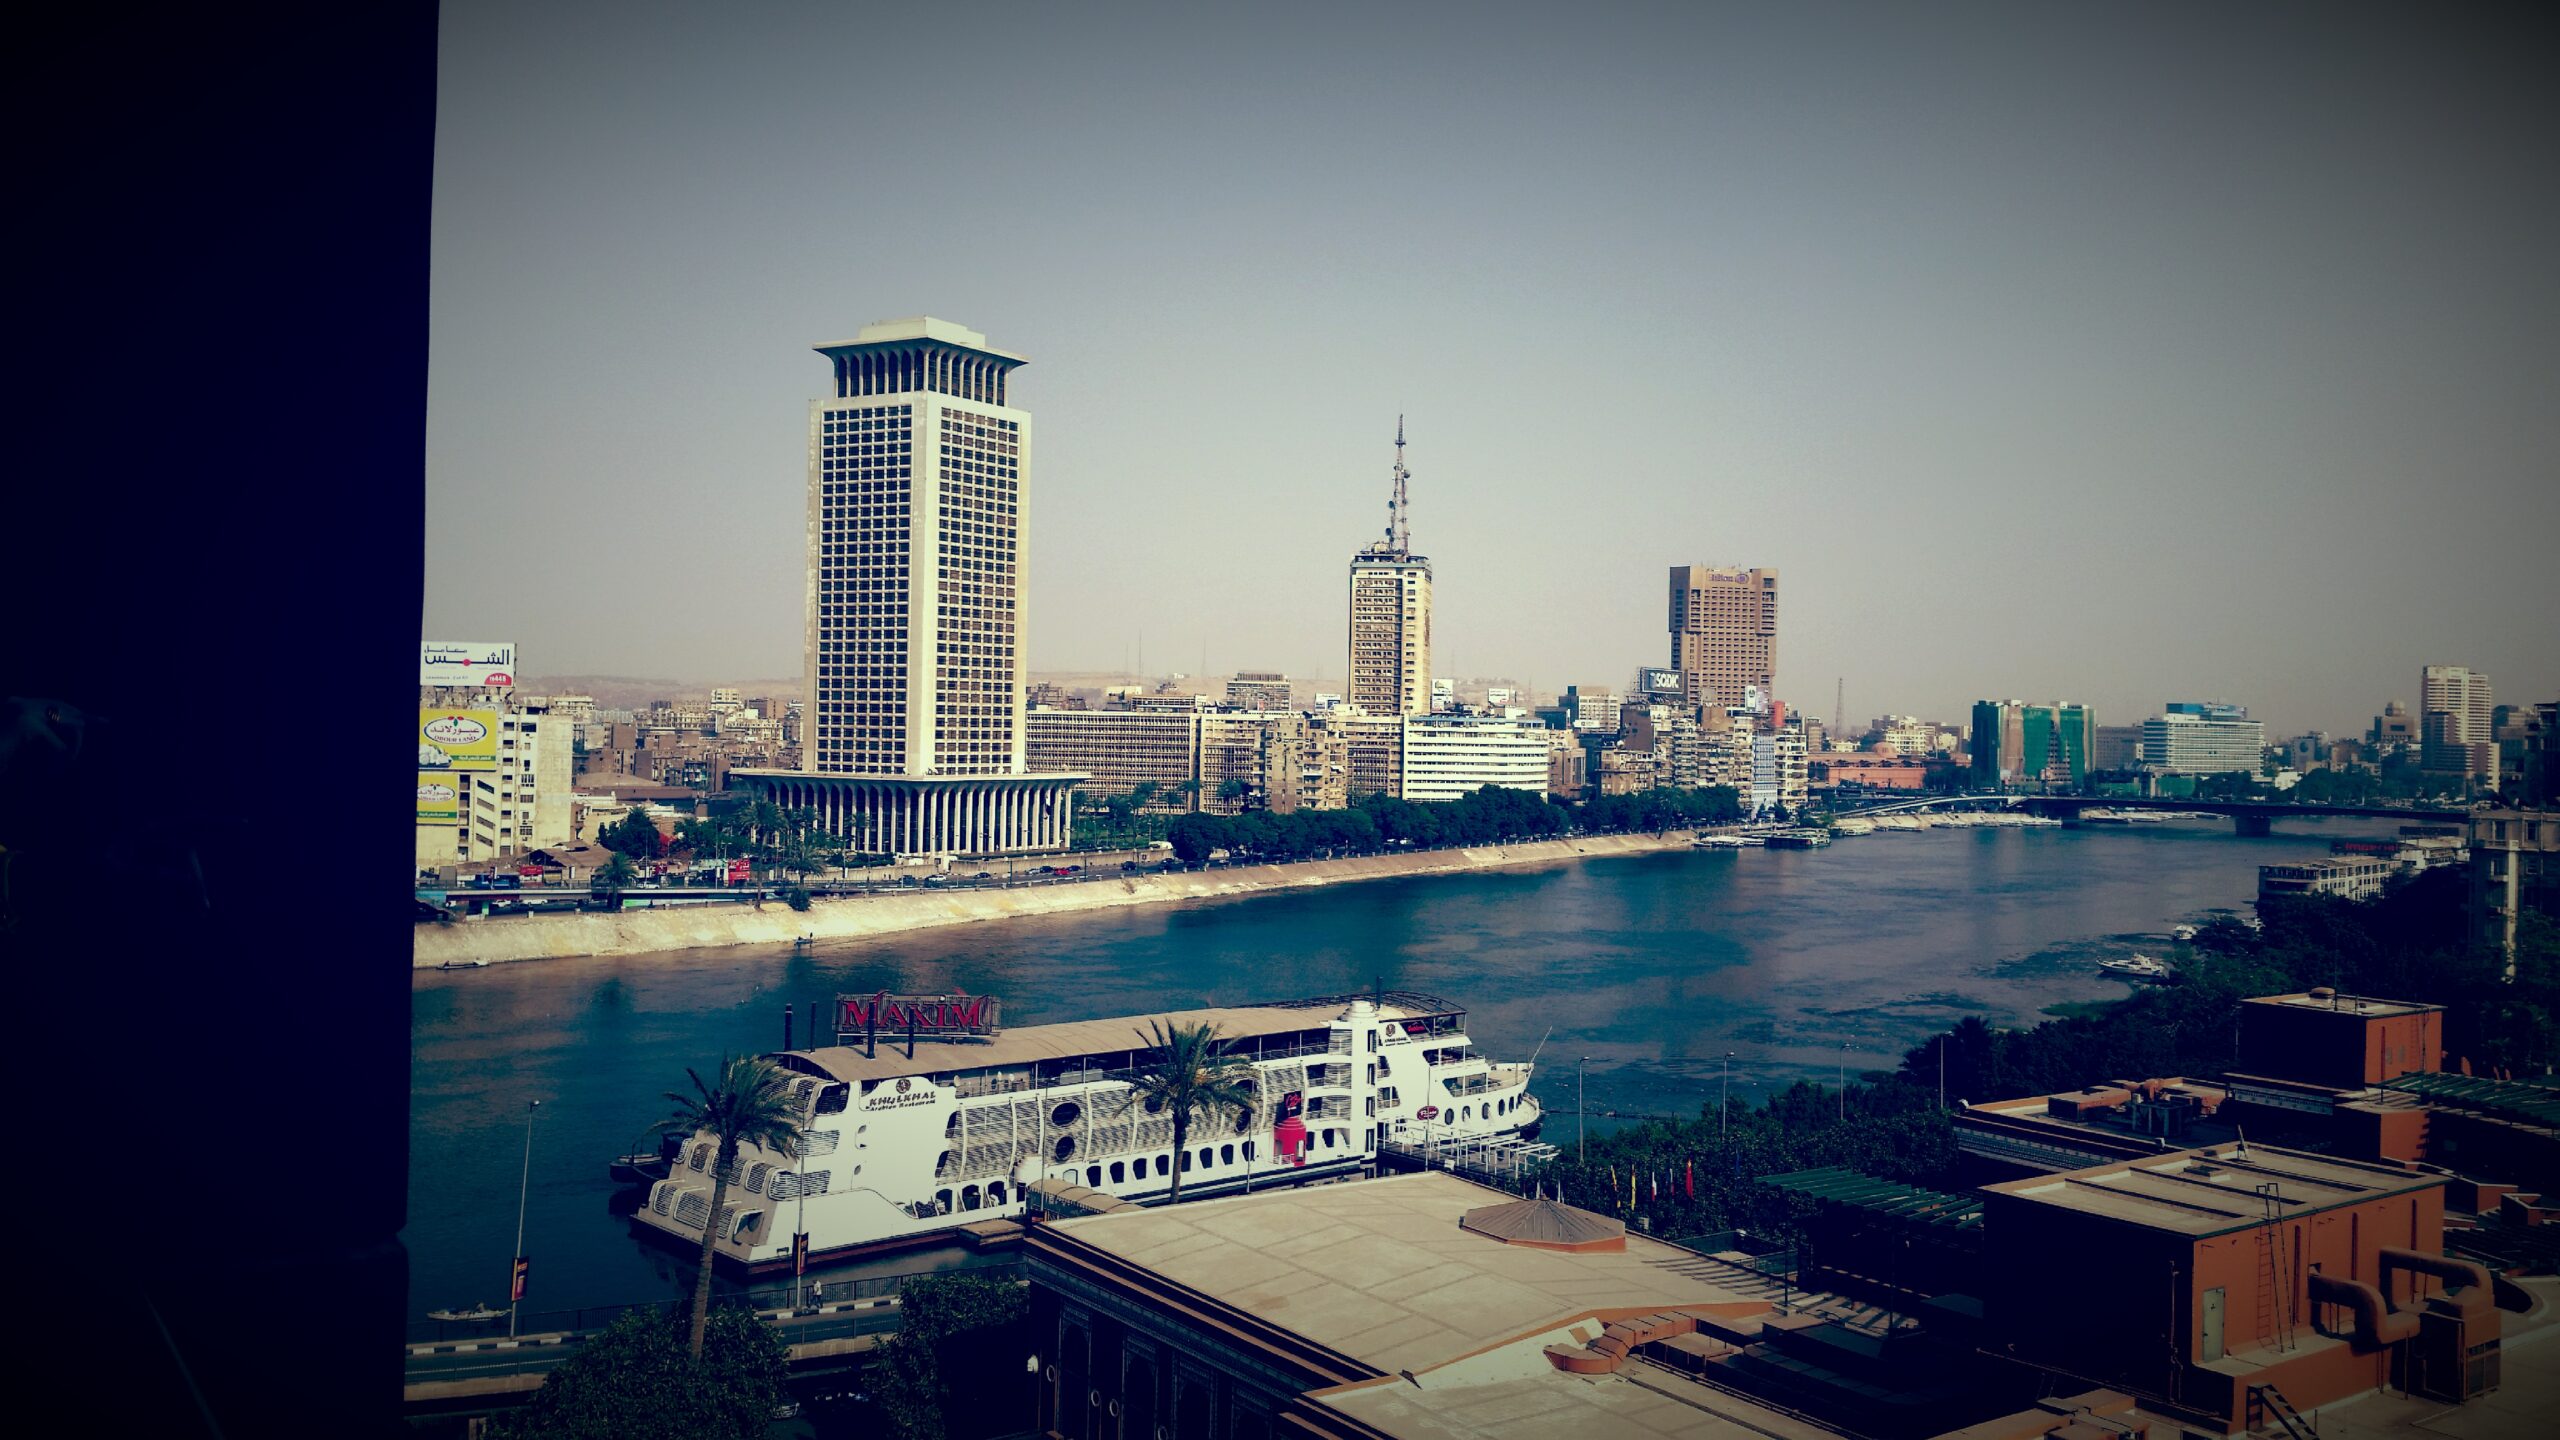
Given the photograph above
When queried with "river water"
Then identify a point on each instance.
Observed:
(1652, 966)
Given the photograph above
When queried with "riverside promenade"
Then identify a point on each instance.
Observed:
(638, 932)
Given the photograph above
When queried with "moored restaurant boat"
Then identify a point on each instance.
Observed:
(915, 1133)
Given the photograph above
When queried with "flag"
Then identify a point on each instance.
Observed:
(1690, 1173)
(524, 1273)
(800, 1252)
(1655, 1179)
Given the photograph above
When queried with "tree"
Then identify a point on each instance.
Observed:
(612, 878)
(955, 1314)
(634, 1378)
(750, 1105)
(1189, 1076)
(634, 834)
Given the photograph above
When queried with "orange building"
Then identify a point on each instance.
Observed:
(2232, 1283)
(2341, 1042)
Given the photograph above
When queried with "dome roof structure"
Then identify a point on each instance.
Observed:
(1546, 1225)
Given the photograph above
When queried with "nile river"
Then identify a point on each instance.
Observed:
(1653, 967)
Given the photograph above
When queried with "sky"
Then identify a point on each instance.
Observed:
(2118, 354)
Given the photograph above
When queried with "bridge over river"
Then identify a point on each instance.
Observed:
(2248, 817)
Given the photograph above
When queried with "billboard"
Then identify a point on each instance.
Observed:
(490, 664)
(457, 739)
(440, 799)
(1662, 682)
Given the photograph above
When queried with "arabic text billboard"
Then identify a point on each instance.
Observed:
(440, 797)
(457, 739)
(490, 664)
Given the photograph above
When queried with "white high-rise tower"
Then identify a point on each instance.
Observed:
(912, 738)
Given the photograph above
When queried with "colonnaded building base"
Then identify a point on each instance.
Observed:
(929, 814)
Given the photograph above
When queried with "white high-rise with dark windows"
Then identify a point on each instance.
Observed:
(912, 734)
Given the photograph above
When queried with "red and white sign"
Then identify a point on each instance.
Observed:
(1427, 1112)
(737, 870)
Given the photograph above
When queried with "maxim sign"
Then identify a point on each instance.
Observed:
(936, 1015)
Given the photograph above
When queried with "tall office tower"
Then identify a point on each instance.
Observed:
(913, 738)
(1724, 632)
(2456, 721)
(1391, 615)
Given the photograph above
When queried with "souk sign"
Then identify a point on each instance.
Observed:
(886, 1014)
(489, 664)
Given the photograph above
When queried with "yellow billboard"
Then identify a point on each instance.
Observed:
(440, 797)
(457, 739)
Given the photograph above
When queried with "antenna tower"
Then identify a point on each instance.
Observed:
(1399, 536)
(1840, 706)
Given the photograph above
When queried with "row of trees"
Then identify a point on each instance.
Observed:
(767, 836)
(1491, 815)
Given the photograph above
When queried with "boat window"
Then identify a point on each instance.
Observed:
(1119, 1173)
(1204, 1157)
(1244, 1121)
(1226, 1154)
(1186, 1162)
(701, 1153)
(831, 1101)
(1093, 1176)
(1067, 1113)
(942, 1202)
(1155, 1105)
(952, 1125)
(755, 1178)
(995, 1192)
(1066, 1146)
(968, 1197)
(1248, 1150)
(942, 1166)
(1373, 1042)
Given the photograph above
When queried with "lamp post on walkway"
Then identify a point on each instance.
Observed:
(1581, 1146)
(524, 1184)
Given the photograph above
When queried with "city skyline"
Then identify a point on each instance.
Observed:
(2168, 380)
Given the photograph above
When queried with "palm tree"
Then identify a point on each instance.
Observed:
(1191, 1076)
(750, 1105)
(612, 879)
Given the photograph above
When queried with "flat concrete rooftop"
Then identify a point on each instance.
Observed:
(2213, 1188)
(1380, 1271)
(2342, 1004)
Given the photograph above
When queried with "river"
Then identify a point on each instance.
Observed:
(1653, 967)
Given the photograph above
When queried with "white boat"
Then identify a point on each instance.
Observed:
(1719, 842)
(2140, 967)
(901, 1150)
(1853, 827)
(2183, 932)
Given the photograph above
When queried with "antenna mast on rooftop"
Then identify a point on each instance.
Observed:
(1399, 535)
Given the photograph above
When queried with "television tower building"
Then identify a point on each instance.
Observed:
(1391, 614)
(912, 737)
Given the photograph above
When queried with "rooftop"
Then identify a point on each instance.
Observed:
(2212, 1190)
(920, 328)
(2326, 999)
(1073, 1039)
(1382, 1273)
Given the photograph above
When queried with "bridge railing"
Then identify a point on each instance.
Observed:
(761, 1297)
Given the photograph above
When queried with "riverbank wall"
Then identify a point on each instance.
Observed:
(639, 932)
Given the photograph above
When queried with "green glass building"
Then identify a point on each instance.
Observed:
(2016, 745)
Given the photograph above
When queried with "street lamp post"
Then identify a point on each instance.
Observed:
(524, 1184)
(1581, 1146)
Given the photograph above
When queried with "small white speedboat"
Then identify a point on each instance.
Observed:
(2139, 968)
(2183, 932)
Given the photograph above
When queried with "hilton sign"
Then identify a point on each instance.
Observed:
(940, 1016)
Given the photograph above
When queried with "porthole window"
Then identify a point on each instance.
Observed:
(1066, 1146)
(1067, 1113)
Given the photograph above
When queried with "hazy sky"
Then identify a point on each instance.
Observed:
(2115, 353)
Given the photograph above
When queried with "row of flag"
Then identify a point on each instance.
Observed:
(1684, 1181)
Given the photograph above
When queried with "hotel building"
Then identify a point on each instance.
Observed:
(918, 474)
(1724, 632)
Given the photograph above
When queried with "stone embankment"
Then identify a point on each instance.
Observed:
(638, 932)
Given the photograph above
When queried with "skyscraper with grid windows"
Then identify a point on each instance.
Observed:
(912, 739)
